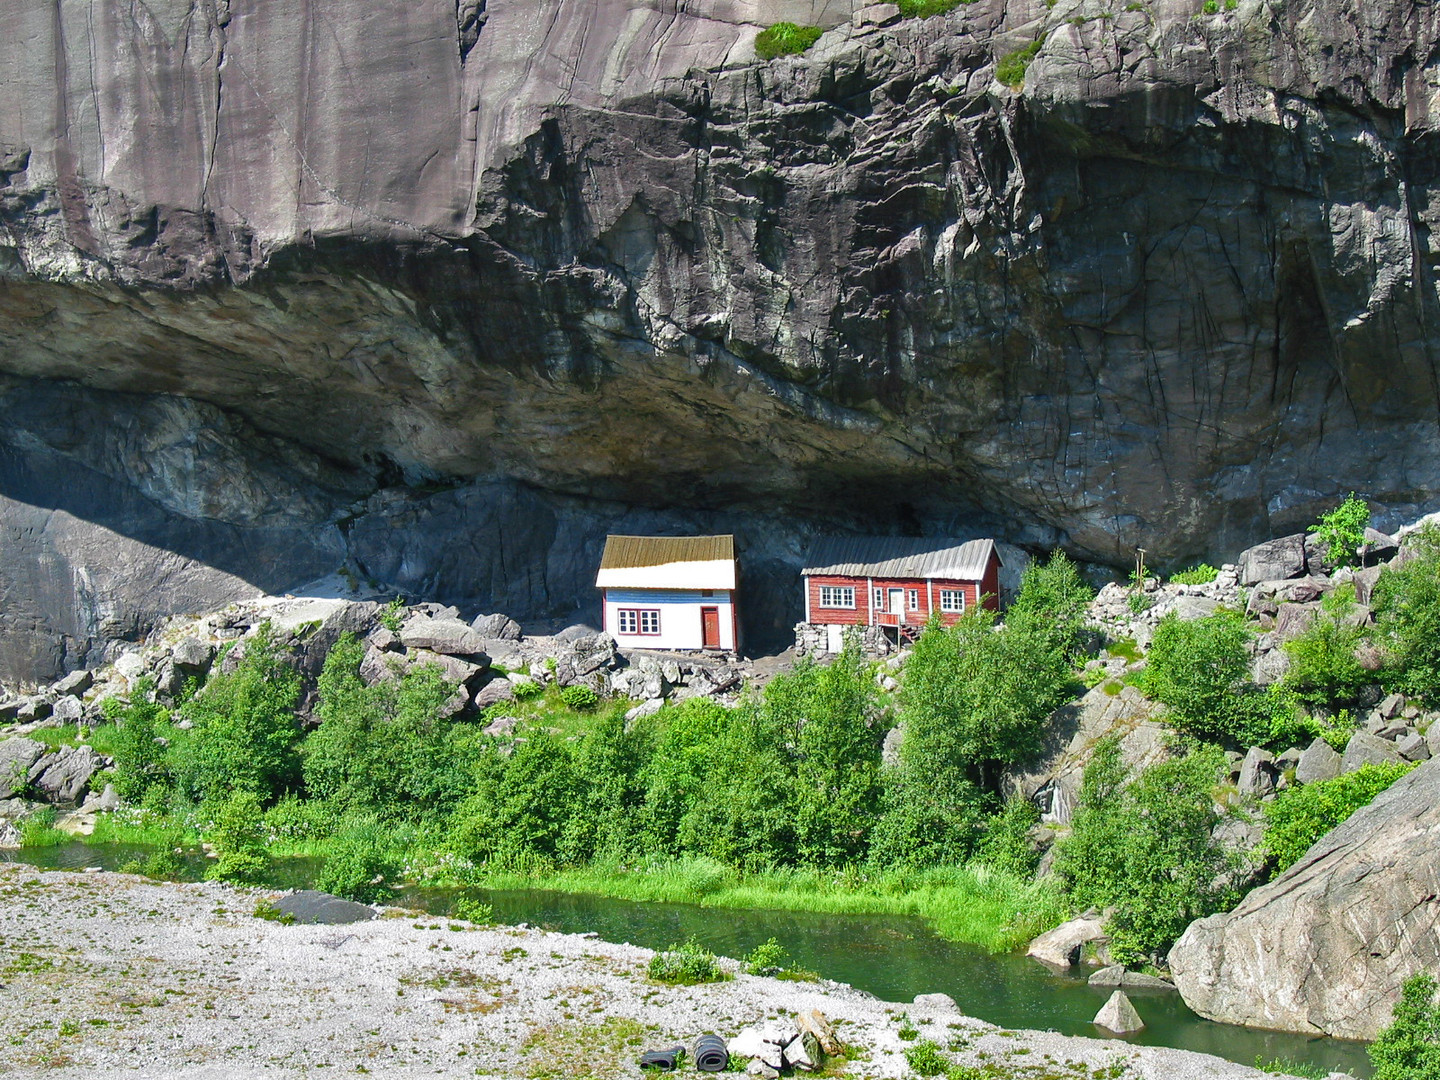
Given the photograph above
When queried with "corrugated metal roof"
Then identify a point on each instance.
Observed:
(900, 557)
(623, 552)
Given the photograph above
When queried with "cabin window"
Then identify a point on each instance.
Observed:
(837, 596)
(877, 599)
(912, 599)
(638, 620)
(952, 599)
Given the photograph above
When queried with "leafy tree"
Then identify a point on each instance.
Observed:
(238, 837)
(360, 865)
(1145, 849)
(245, 730)
(1324, 672)
(1406, 602)
(1301, 815)
(1054, 602)
(140, 761)
(1342, 530)
(609, 790)
(676, 772)
(1200, 668)
(1409, 1048)
(1007, 844)
(518, 809)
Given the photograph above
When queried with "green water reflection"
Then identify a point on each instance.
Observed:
(893, 958)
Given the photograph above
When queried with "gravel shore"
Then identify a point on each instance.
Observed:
(112, 974)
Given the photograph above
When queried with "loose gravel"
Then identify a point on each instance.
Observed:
(114, 975)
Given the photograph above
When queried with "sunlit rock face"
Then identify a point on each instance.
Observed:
(291, 287)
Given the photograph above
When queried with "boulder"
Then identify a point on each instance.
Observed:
(760, 1068)
(9, 836)
(1257, 773)
(74, 684)
(312, 907)
(107, 802)
(1413, 747)
(17, 758)
(1292, 620)
(68, 710)
(1061, 946)
(441, 635)
(1118, 1016)
(803, 1052)
(1269, 667)
(1391, 706)
(1116, 975)
(62, 777)
(747, 1043)
(501, 627)
(459, 672)
(32, 709)
(576, 632)
(501, 725)
(1364, 582)
(1188, 608)
(1366, 749)
(1273, 560)
(1319, 762)
(1378, 547)
(1324, 947)
(494, 692)
(890, 748)
(192, 654)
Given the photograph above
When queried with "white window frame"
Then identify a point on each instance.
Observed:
(837, 596)
(636, 620)
(912, 599)
(952, 601)
(877, 599)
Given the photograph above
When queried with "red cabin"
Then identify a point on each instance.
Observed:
(895, 582)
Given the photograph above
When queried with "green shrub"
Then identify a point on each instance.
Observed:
(686, 965)
(392, 614)
(1010, 70)
(1200, 668)
(1301, 815)
(1406, 602)
(473, 911)
(766, 959)
(1409, 1047)
(1211, 7)
(1145, 849)
(526, 691)
(38, 830)
(1200, 574)
(245, 730)
(238, 838)
(1342, 530)
(1007, 844)
(579, 698)
(360, 865)
(1139, 602)
(926, 1059)
(1324, 672)
(785, 39)
(140, 761)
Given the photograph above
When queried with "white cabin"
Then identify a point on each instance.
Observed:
(670, 592)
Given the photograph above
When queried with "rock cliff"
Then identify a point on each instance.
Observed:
(1325, 946)
(438, 291)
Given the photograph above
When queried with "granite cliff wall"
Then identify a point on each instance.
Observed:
(439, 291)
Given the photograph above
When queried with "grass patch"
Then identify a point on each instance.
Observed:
(923, 9)
(38, 830)
(1202, 574)
(686, 965)
(561, 1051)
(1127, 649)
(1283, 1066)
(1011, 68)
(785, 39)
(974, 904)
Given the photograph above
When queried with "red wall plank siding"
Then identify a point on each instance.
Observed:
(988, 588)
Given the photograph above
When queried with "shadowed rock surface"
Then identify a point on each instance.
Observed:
(438, 292)
(1325, 946)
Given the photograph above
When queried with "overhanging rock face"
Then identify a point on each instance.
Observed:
(1324, 947)
(1176, 292)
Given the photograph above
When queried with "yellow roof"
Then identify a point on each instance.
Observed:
(623, 552)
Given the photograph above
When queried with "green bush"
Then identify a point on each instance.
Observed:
(1144, 849)
(926, 1059)
(165, 862)
(38, 830)
(1007, 844)
(1406, 602)
(526, 691)
(140, 761)
(1200, 668)
(360, 865)
(1053, 601)
(1342, 530)
(473, 911)
(785, 39)
(1200, 574)
(238, 837)
(1409, 1047)
(1010, 70)
(686, 965)
(766, 959)
(1301, 815)
(245, 729)
(579, 698)
(1324, 672)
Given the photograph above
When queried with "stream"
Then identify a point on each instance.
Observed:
(893, 957)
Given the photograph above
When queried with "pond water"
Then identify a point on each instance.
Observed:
(894, 958)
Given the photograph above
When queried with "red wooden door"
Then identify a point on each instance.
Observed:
(710, 627)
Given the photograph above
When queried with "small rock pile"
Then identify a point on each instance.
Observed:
(777, 1048)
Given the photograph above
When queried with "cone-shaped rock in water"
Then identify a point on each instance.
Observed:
(1119, 1016)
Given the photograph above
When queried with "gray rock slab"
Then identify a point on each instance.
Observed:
(1061, 946)
(1324, 947)
(1273, 560)
(1367, 749)
(192, 654)
(1115, 975)
(1413, 747)
(311, 906)
(499, 626)
(1118, 1015)
(1257, 773)
(1320, 761)
(68, 710)
(449, 636)
(74, 684)
(17, 758)
(63, 777)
